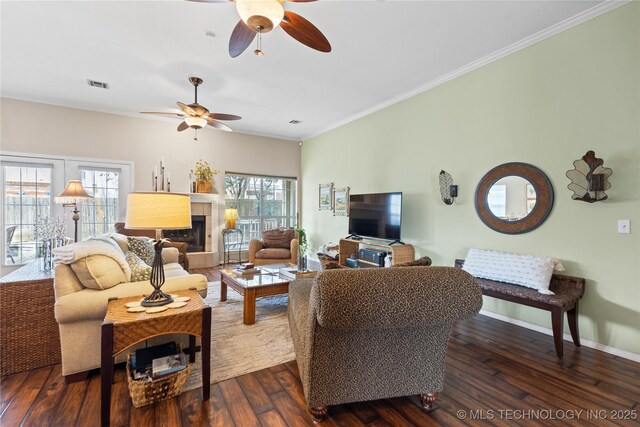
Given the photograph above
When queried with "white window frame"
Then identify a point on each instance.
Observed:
(64, 169)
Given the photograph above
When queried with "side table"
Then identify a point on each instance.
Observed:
(29, 336)
(121, 330)
(230, 243)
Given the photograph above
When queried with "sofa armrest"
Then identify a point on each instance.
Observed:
(182, 252)
(170, 255)
(90, 304)
(385, 298)
(254, 246)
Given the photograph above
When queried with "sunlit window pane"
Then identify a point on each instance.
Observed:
(101, 213)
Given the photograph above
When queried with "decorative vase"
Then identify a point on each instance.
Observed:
(302, 262)
(47, 256)
(204, 186)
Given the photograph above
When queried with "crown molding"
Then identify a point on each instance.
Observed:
(551, 31)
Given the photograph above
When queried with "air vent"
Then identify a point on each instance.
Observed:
(295, 122)
(95, 83)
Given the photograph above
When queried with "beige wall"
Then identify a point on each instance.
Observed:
(545, 105)
(65, 131)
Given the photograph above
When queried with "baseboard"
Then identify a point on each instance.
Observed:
(567, 337)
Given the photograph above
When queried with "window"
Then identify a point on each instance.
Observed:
(100, 214)
(263, 203)
(27, 196)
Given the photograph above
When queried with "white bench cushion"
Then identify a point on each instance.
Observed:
(525, 270)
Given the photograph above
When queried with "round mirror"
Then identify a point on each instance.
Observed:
(511, 198)
(514, 198)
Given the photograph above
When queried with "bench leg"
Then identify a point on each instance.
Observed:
(558, 328)
(572, 317)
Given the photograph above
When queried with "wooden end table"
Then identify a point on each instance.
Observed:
(252, 286)
(121, 330)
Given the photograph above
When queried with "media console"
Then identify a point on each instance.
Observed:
(399, 253)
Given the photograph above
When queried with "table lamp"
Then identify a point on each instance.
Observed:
(230, 215)
(70, 197)
(158, 211)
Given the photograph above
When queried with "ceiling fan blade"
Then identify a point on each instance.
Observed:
(182, 126)
(218, 125)
(305, 32)
(217, 1)
(186, 109)
(221, 116)
(157, 113)
(241, 38)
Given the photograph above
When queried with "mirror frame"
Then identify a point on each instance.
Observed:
(541, 210)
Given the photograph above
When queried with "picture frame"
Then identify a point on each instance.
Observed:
(325, 196)
(341, 201)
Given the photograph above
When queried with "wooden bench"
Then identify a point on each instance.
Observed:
(567, 289)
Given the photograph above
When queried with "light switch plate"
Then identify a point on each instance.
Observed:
(623, 226)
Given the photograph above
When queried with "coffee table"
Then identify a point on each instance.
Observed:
(267, 282)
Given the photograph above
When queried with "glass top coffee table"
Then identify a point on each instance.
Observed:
(251, 286)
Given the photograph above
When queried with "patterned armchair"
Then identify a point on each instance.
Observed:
(367, 334)
(277, 246)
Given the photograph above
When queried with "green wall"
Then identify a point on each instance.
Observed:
(545, 105)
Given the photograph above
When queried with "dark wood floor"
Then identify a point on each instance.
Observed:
(497, 374)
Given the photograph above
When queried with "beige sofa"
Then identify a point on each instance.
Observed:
(80, 311)
(375, 333)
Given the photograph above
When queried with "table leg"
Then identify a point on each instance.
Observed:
(192, 348)
(249, 306)
(206, 353)
(106, 373)
(223, 290)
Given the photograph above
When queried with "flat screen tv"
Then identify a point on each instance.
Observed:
(375, 215)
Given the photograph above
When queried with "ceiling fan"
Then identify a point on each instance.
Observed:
(195, 115)
(261, 16)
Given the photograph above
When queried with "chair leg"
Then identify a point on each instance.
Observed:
(557, 323)
(572, 317)
(318, 412)
(428, 401)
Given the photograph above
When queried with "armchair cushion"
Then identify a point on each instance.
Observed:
(273, 253)
(278, 238)
(98, 272)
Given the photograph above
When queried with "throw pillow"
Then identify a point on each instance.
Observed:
(143, 247)
(98, 272)
(278, 238)
(140, 271)
(525, 270)
(424, 261)
(332, 266)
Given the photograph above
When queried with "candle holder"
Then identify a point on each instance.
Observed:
(165, 178)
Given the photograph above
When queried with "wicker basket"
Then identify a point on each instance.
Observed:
(144, 392)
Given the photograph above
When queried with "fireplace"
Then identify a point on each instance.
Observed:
(194, 236)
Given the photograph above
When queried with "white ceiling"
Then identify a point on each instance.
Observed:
(146, 50)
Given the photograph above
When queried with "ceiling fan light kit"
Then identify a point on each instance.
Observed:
(196, 116)
(261, 16)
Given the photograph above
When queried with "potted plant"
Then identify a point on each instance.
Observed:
(203, 175)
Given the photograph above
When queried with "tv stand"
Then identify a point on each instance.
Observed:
(399, 254)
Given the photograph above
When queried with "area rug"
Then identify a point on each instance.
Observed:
(238, 349)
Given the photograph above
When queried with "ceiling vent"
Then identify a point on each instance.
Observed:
(96, 83)
(295, 122)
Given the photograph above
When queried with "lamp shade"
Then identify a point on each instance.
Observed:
(74, 193)
(231, 213)
(156, 210)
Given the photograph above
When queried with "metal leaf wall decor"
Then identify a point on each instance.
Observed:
(589, 179)
(448, 191)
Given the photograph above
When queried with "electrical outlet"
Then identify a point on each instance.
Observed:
(623, 226)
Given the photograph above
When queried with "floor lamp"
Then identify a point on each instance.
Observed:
(158, 211)
(70, 197)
